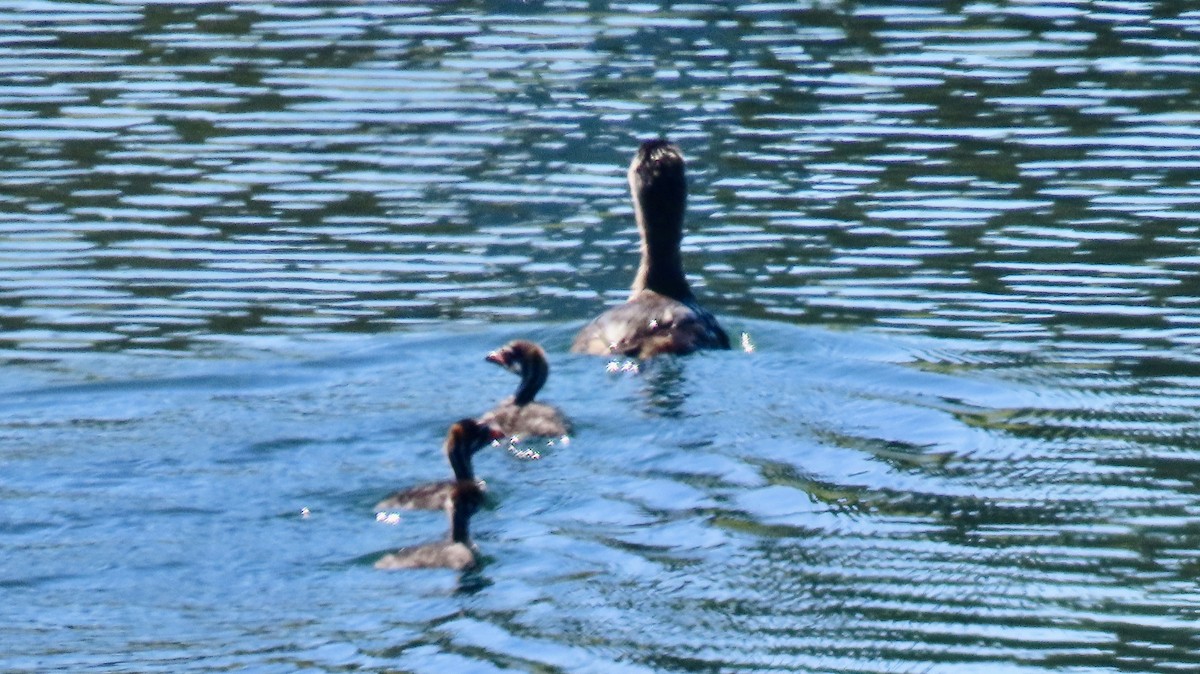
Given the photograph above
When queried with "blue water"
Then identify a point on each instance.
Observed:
(252, 257)
(830, 501)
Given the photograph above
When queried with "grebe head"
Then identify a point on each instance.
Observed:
(527, 360)
(465, 437)
(517, 356)
(469, 435)
(657, 177)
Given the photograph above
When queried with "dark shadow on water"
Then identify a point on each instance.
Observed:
(665, 386)
(473, 581)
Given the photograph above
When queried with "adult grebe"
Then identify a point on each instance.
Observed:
(456, 553)
(464, 438)
(661, 314)
(519, 415)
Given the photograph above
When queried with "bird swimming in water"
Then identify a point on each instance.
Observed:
(661, 315)
(457, 552)
(463, 440)
(520, 415)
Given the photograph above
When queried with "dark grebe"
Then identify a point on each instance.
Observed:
(661, 315)
(456, 553)
(465, 437)
(519, 415)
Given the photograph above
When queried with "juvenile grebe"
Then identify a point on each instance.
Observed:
(661, 314)
(464, 438)
(519, 415)
(456, 553)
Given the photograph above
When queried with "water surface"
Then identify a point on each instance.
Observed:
(252, 255)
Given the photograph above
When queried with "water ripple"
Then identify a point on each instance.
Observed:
(987, 465)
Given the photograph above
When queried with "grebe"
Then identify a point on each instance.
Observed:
(456, 553)
(661, 314)
(464, 438)
(519, 415)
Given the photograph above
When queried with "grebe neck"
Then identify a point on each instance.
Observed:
(460, 462)
(658, 185)
(460, 523)
(533, 376)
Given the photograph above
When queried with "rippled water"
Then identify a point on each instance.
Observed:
(252, 255)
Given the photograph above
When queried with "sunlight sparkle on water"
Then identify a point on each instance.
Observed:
(627, 365)
(526, 453)
(747, 345)
(388, 518)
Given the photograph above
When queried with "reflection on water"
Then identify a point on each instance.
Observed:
(831, 502)
(989, 463)
(179, 175)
